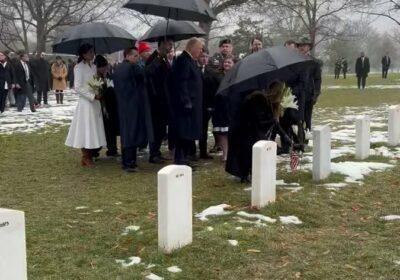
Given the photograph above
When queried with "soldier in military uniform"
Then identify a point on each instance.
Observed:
(225, 49)
(313, 85)
(338, 68)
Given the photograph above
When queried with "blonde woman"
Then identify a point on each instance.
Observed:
(59, 72)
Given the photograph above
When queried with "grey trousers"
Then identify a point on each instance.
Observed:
(11, 97)
(22, 94)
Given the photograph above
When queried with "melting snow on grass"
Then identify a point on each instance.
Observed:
(218, 210)
(129, 229)
(233, 242)
(390, 217)
(290, 220)
(174, 269)
(152, 276)
(355, 171)
(131, 261)
(256, 216)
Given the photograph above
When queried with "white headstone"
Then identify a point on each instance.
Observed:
(394, 125)
(12, 245)
(174, 207)
(363, 137)
(321, 152)
(263, 179)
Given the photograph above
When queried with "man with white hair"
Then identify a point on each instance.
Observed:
(186, 99)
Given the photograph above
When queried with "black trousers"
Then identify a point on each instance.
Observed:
(160, 131)
(129, 157)
(21, 96)
(42, 93)
(344, 75)
(3, 99)
(384, 73)
(308, 111)
(183, 148)
(203, 142)
(361, 81)
(111, 137)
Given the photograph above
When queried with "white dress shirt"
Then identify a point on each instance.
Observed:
(4, 66)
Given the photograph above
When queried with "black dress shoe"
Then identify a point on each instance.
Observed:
(206, 157)
(156, 160)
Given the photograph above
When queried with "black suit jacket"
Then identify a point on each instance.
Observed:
(211, 81)
(362, 70)
(20, 75)
(386, 62)
(6, 75)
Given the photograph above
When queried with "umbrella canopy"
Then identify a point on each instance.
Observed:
(105, 38)
(175, 30)
(193, 10)
(257, 70)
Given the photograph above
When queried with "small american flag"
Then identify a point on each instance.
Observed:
(294, 160)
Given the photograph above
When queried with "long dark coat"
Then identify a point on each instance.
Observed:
(256, 122)
(133, 108)
(110, 110)
(158, 82)
(313, 85)
(42, 73)
(211, 83)
(362, 70)
(187, 98)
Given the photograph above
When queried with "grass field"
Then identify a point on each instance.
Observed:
(342, 236)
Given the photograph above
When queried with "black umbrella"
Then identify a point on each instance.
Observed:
(175, 30)
(105, 38)
(193, 10)
(257, 70)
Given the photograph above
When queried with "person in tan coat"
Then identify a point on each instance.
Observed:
(59, 72)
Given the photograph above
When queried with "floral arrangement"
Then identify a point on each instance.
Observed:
(287, 100)
(95, 85)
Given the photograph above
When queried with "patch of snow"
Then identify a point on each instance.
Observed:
(233, 242)
(335, 185)
(391, 217)
(129, 229)
(355, 171)
(97, 211)
(218, 210)
(256, 216)
(210, 228)
(81, 207)
(174, 269)
(152, 276)
(239, 228)
(290, 220)
(131, 261)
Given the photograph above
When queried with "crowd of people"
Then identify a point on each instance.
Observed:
(24, 77)
(157, 96)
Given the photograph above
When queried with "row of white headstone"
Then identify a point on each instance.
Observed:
(175, 193)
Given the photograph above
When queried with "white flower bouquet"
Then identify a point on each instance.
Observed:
(288, 99)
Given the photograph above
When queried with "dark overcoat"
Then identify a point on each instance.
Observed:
(159, 82)
(42, 73)
(133, 108)
(362, 69)
(187, 98)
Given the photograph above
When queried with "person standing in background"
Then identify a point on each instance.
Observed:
(24, 82)
(362, 70)
(385, 65)
(59, 72)
(345, 67)
(6, 80)
(41, 70)
(71, 65)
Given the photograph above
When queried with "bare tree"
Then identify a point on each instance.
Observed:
(21, 20)
(321, 20)
(384, 8)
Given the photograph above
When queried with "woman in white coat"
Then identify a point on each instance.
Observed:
(87, 127)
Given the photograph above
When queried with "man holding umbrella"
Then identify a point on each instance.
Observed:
(313, 84)
(158, 77)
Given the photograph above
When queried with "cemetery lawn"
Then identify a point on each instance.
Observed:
(342, 235)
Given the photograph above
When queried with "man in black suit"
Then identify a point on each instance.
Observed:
(6, 80)
(158, 79)
(24, 83)
(41, 70)
(210, 87)
(187, 99)
(362, 70)
(385, 65)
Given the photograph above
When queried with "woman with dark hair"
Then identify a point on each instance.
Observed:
(87, 128)
(108, 105)
(59, 72)
(256, 44)
(258, 120)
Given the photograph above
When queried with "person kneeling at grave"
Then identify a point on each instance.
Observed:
(258, 120)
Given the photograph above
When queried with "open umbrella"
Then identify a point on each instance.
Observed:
(257, 70)
(175, 30)
(193, 10)
(105, 38)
